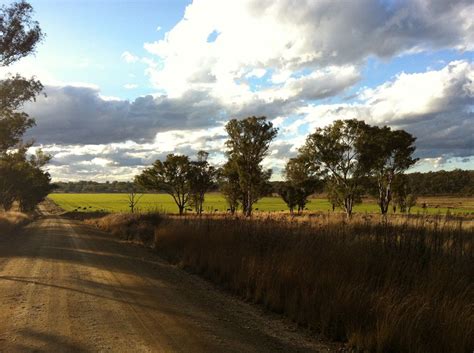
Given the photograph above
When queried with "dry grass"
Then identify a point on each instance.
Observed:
(404, 286)
(132, 227)
(11, 221)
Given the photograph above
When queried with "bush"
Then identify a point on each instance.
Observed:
(382, 287)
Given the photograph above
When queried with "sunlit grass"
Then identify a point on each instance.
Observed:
(215, 201)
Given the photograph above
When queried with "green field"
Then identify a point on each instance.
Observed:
(214, 201)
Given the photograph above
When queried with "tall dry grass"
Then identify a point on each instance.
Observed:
(129, 226)
(405, 286)
(11, 221)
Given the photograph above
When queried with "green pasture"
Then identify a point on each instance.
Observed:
(214, 201)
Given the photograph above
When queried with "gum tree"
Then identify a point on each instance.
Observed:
(335, 151)
(171, 176)
(387, 154)
(247, 146)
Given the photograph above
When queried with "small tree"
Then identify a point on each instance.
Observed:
(289, 194)
(387, 154)
(133, 199)
(303, 179)
(403, 193)
(202, 178)
(228, 178)
(411, 201)
(248, 144)
(335, 151)
(171, 176)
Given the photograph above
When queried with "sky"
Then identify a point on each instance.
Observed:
(128, 82)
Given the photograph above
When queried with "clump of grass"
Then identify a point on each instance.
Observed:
(10, 221)
(133, 227)
(380, 286)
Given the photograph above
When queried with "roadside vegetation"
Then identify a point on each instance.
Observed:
(23, 182)
(382, 284)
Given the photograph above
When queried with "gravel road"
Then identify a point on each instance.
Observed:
(65, 287)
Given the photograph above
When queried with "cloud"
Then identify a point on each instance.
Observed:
(129, 57)
(285, 39)
(436, 106)
(80, 115)
(123, 160)
(290, 63)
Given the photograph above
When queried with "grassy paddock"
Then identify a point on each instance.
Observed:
(214, 201)
(404, 286)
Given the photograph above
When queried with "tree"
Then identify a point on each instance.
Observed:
(248, 144)
(404, 195)
(21, 178)
(302, 181)
(289, 194)
(171, 176)
(387, 154)
(19, 37)
(228, 179)
(20, 34)
(202, 178)
(133, 199)
(335, 151)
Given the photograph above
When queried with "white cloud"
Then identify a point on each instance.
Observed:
(285, 38)
(436, 106)
(129, 57)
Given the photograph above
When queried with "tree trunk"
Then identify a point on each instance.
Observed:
(385, 195)
(348, 204)
(248, 211)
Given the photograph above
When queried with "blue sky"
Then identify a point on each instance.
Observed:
(130, 81)
(85, 40)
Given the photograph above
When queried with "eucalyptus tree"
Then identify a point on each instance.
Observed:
(228, 180)
(336, 153)
(301, 181)
(202, 178)
(172, 176)
(19, 36)
(21, 177)
(387, 154)
(247, 146)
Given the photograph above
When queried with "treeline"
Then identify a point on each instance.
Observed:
(457, 182)
(84, 186)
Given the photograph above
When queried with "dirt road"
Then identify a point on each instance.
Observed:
(65, 287)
